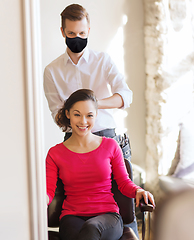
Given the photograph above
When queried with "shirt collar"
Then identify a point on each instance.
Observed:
(66, 57)
(85, 56)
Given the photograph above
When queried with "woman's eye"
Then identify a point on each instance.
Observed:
(90, 115)
(77, 115)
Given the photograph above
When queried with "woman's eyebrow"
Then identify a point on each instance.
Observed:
(79, 111)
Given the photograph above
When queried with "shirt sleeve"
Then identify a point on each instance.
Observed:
(117, 82)
(51, 177)
(54, 101)
(120, 174)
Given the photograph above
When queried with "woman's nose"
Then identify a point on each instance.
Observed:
(83, 120)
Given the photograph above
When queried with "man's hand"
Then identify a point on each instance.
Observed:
(140, 193)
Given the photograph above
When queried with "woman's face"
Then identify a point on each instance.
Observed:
(82, 117)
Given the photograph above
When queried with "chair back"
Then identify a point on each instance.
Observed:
(126, 205)
(55, 207)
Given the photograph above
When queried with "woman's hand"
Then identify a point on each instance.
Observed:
(140, 193)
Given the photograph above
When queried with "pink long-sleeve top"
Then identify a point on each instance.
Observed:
(87, 178)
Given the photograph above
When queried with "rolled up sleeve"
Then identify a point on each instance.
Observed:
(117, 82)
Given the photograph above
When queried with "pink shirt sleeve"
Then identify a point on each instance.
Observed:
(51, 177)
(120, 174)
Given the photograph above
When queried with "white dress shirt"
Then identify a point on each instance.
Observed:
(95, 71)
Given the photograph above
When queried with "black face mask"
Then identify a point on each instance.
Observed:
(77, 44)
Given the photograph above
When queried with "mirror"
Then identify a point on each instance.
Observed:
(117, 28)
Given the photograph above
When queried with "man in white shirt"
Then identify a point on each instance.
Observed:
(80, 67)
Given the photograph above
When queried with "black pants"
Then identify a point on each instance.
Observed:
(107, 226)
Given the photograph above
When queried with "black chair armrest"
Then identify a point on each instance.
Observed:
(145, 207)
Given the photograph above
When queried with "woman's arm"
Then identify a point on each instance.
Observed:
(51, 177)
(125, 185)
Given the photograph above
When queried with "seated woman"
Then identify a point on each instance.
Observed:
(85, 163)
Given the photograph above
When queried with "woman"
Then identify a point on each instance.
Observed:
(85, 163)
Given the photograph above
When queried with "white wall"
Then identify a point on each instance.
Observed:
(136, 78)
(108, 33)
(14, 202)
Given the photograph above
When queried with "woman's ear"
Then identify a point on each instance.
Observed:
(67, 114)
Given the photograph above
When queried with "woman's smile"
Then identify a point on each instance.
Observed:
(82, 127)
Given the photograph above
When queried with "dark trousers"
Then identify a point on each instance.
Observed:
(107, 226)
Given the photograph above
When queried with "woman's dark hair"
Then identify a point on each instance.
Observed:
(80, 95)
(74, 12)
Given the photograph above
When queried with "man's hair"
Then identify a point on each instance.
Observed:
(74, 12)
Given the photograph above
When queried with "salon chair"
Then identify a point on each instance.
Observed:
(126, 206)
